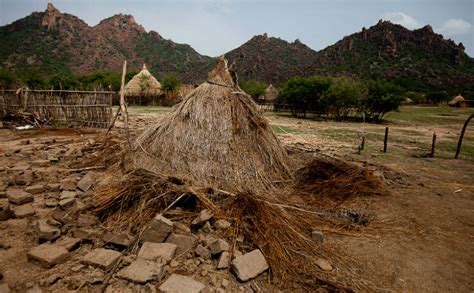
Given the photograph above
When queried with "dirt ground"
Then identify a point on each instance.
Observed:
(421, 238)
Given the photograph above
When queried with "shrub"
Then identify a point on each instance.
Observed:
(382, 98)
(254, 88)
(343, 97)
(170, 82)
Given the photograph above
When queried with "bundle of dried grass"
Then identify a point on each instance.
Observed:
(217, 137)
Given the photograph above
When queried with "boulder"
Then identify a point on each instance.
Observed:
(181, 284)
(19, 197)
(24, 211)
(48, 255)
(249, 265)
(157, 230)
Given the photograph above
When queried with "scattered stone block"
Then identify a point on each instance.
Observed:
(317, 235)
(204, 216)
(184, 243)
(5, 211)
(40, 163)
(86, 220)
(157, 230)
(53, 186)
(19, 197)
(26, 178)
(207, 228)
(153, 251)
(203, 252)
(84, 233)
(24, 211)
(122, 240)
(86, 182)
(224, 260)
(63, 217)
(222, 224)
(68, 184)
(47, 232)
(35, 189)
(67, 203)
(218, 246)
(51, 202)
(181, 284)
(65, 194)
(69, 243)
(323, 264)
(249, 265)
(48, 255)
(142, 271)
(102, 258)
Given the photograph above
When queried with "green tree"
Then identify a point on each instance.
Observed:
(303, 94)
(170, 82)
(382, 98)
(253, 87)
(65, 82)
(8, 80)
(437, 97)
(343, 97)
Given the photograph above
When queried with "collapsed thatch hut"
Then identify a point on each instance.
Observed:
(217, 137)
(270, 95)
(458, 101)
(142, 88)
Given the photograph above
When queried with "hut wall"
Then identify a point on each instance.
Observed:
(60, 107)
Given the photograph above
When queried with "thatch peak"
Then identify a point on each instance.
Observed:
(143, 84)
(221, 73)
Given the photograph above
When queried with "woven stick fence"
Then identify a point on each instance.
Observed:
(60, 107)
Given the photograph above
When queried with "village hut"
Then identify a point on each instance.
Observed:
(271, 94)
(458, 101)
(143, 88)
(216, 137)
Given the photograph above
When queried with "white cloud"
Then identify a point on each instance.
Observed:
(402, 19)
(453, 27)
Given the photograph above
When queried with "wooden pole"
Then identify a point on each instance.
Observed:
(433, 143)
(385, 140)
(458, 150)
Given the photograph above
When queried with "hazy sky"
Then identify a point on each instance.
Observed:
(213, 27)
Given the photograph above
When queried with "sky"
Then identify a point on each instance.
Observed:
(214, 27)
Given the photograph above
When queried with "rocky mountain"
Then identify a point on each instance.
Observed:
(58, 42)
(419, 59)
(272, 60)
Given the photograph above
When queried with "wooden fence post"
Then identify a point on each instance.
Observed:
(385, 140)
(433, 143)
(458, 150)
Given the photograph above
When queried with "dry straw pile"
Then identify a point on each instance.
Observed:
(217, 137)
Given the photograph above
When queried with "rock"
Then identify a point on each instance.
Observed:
(5, 211)
(204, 216)
(69, 243)
(53, 186)
(65, 194)
(181, 228)
(225, 283)
(184, 243)
(40, 163)
(207, 228)
(323, 264)
(77, 268)
(86, 220)
(68, 184)
(24, 179)
(86, 182)
(218, 246)
(102, 258)
(47, 232)
(157, 230)
(48, 255)
(203, 252)
(181, 284)
(63, 217)
(35, 189)
(224, 260)
(153, 251)
(19, 197)
(84, 233)
(24, 211)
(317, 235)
(67, 203)
(122, 240)
(51, 203)
(174, 263)
(222, 224)
(249, 265)
(142, 271)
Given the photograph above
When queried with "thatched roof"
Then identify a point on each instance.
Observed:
(456, 99)
(217, 137)
(143, 84)
(271, 93)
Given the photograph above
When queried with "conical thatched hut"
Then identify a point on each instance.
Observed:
(457, 101)
(142, 87)
(271, 94)
(216, 136)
